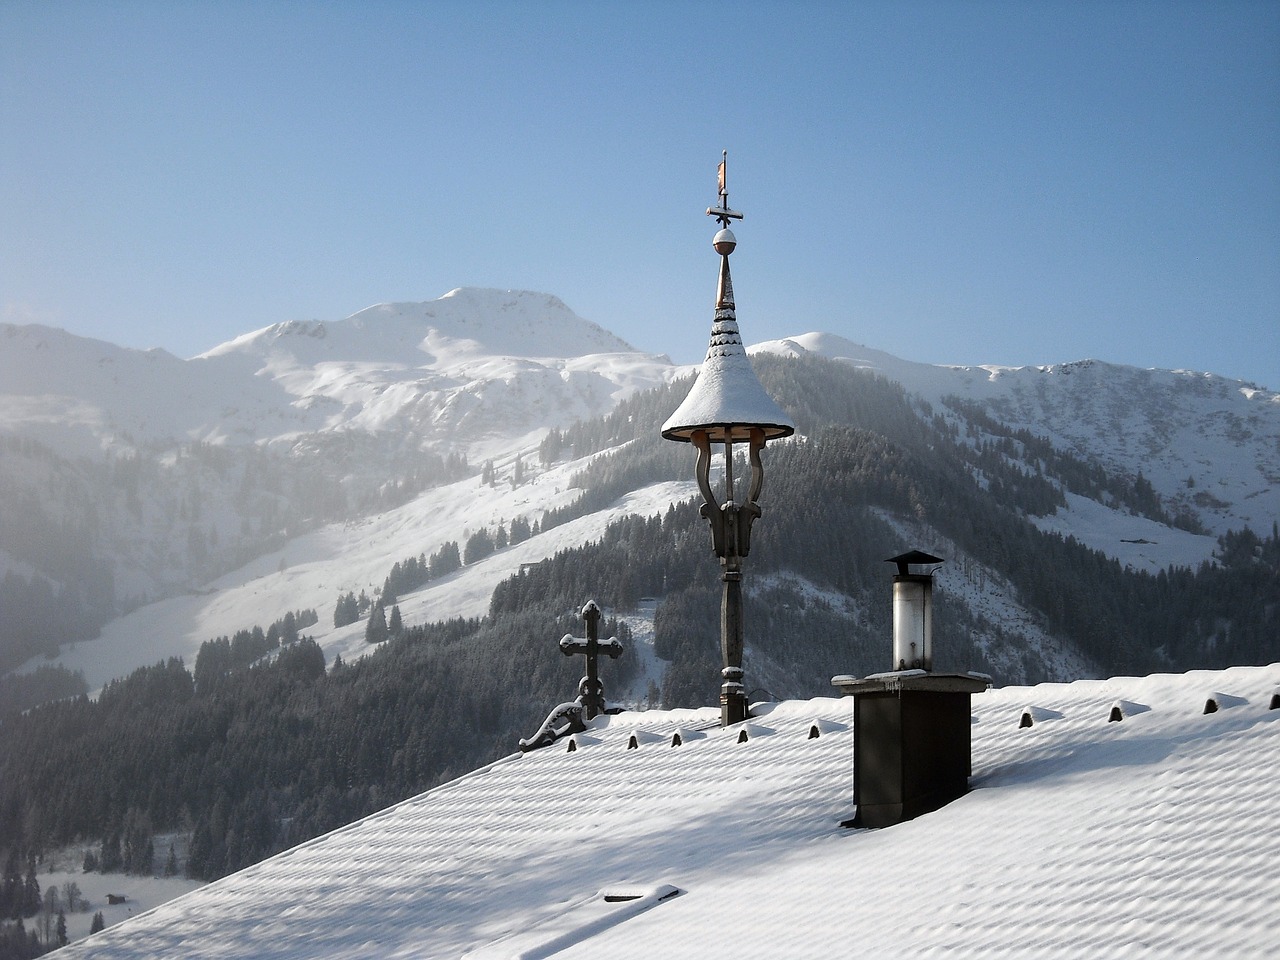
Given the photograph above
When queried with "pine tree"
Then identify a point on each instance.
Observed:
(446, 560)
(376, 629)
(395, 625)
(97, 924)
(111, 858)
(549, 449)
(31, 889)
(61, 930)
(479, 546)
(519, 530)
(138, 850)
(346, 610)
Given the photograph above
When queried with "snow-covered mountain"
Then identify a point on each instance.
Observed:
(179, 470)
(463, 371)
(300, 461)
(469, 371)
(1205, 442)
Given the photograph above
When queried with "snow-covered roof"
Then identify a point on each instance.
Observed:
(1081, 836)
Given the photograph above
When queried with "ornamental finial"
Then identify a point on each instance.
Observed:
(726, 402)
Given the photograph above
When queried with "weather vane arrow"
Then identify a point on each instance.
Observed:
(722, 212)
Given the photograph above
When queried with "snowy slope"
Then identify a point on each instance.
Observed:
(82, 397)
(1153, 836)
(462, 371)
(313, 570)
(1200, 439)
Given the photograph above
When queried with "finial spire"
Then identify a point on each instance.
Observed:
(726, 402)
(722, 212)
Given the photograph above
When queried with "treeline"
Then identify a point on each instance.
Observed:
(636, 418)
(289, 748)
(634, 557)
(218, 658)
(413, 572)
(605, 479)
(21, 691)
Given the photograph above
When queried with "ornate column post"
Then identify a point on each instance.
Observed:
(727, 405)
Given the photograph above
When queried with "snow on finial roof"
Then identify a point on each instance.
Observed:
(727, 399)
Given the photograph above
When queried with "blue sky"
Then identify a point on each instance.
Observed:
(953, 182)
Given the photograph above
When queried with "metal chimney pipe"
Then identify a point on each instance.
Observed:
(913, 613)
(913, 622)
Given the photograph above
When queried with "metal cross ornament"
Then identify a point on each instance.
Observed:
(590, 689)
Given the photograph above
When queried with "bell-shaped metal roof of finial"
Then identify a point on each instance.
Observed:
(727, 400)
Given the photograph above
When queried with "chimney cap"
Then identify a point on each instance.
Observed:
(913, 556)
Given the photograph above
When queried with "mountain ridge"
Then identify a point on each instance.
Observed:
(477, 320)
(1100, 410)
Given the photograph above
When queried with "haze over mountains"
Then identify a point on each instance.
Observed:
(436, 371)
(298, 462)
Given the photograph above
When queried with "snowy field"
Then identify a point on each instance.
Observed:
(140, 893)
(313, 570)
(1138, 543)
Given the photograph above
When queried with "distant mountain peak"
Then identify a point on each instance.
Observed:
(519, 323)
(466, 321)
(497, 298)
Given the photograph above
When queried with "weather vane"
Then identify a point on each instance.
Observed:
(722, 212)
